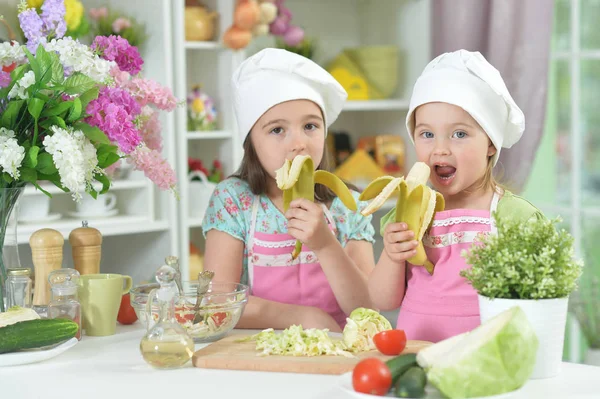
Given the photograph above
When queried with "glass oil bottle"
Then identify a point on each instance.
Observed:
(166, 345)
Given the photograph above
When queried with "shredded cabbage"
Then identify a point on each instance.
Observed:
(360, 328)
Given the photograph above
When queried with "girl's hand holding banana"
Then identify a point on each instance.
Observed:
(307, 223)
(399, 242)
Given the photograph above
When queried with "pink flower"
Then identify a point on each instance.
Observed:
(121, 78)
(150, 129)
(117, 49)
(113, 112)
(120, 23)
(148, 91)
(97, 13)
(154, 167)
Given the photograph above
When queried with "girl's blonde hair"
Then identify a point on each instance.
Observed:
(490, 179)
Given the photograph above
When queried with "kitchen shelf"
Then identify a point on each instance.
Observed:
(195, 222)
(114, 226)
(208, 135)
(212, 45)
(116, 185)
(377, 105)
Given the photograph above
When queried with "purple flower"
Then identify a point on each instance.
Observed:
(53, 15)
(32, 26)
(4, 79)
(114, 112)
(117, 49)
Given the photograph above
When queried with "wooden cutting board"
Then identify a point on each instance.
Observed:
(231, 355)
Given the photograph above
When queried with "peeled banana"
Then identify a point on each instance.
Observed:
(415, 206)
(297, 179)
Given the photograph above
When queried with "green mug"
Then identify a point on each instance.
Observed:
(100, 297)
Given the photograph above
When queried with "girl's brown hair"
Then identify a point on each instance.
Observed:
(253, 173)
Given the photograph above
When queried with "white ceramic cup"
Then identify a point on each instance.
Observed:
(96, 207)
(34, 207)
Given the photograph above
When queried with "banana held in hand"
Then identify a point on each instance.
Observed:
(297, 179)
(415, 206)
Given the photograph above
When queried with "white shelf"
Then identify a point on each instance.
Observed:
(116, 185)
(208, 135)
(203, 45)
(195, 222)
(377, 105)
(118, 225)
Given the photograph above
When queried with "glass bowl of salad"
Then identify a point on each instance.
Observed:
(219, 312)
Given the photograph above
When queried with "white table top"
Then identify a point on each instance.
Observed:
(112, 367)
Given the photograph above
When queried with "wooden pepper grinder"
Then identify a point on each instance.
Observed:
(47, 253)
(86, 244)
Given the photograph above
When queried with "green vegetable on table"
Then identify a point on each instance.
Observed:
(32, 334)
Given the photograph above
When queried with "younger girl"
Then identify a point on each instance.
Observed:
(284, 104)
(460, 116)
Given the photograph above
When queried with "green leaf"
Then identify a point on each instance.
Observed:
(58, 73)
(88, 96)
(18, 72)
(35, 66)
(41, 189)
(54, 120)
(92, 132)
(35, 107)
(105, 182)
(28, 175)
(31, 160)
(78, 83)
(45, 64)
(7, 178)
(105, 160)
(11, 114)
(45, 164)
(75, 110)
(58, 108)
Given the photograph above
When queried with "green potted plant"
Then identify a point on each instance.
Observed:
(530, 265)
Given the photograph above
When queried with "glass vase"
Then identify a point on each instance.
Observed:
(9, 246)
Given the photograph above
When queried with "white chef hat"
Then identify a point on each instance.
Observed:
(273, 76)
(466, 79)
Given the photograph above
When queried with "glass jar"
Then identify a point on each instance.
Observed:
(64, 303)
(18, 288)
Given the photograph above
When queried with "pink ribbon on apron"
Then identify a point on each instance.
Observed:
(444, 305)
(274, 276)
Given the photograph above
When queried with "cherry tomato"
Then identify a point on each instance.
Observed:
(126, 313)
(371, 376)
(218, 318)
(390, 342)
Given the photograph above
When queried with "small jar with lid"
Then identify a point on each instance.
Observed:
(18, 287)
(64, 303)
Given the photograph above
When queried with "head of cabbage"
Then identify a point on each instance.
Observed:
(496, 357)
(360, 328)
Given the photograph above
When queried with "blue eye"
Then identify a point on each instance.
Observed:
(460, 134)
(277, 130)
(427, 135)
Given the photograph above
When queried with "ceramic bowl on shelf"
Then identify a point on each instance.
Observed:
(221, 308)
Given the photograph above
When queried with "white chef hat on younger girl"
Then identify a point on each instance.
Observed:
(466, 79)
(273, 76)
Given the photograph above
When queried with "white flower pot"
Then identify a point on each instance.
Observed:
(199, 194)
(592, 357)
(548, 318)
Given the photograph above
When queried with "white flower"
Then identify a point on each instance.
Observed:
(74, 156)
(77, 57)
(10, 53)
(11, 153)
(19, 89)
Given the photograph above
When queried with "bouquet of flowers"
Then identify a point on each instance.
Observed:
(196, 165)
(69, 111)
(202, 115)
(108, 22)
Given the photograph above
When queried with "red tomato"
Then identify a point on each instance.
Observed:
(219, 317)
(390, 342)
(371, 376)
(126, 312)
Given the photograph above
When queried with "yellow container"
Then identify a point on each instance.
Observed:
(382, 66)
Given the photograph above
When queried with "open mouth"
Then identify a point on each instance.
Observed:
(445, 173)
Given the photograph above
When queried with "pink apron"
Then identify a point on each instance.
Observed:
(273, 275)
(443, 305)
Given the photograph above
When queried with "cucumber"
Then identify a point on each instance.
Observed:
(38, 333)
(411, 384)
(400, 364)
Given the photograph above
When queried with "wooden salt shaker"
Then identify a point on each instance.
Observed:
(86, 245)
(47, 253)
